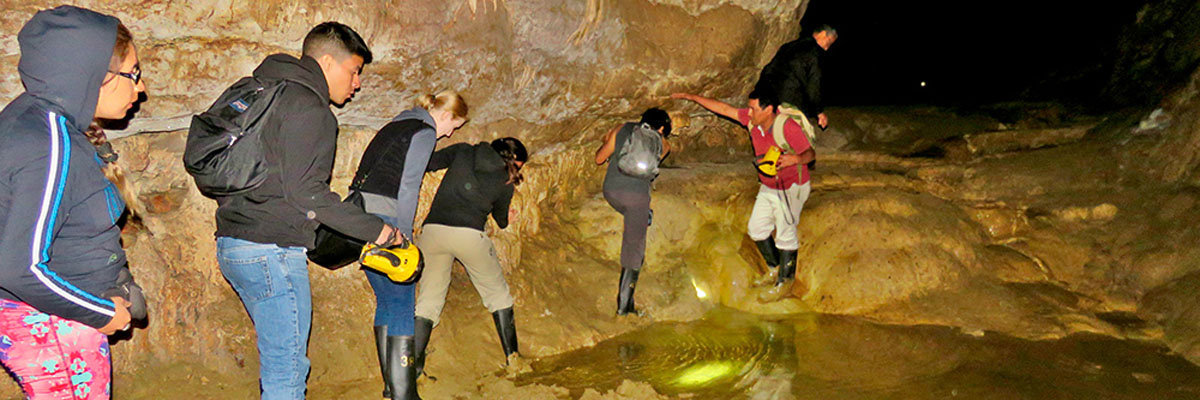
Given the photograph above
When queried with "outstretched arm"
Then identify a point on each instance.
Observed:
(609, 143)
(715, 106)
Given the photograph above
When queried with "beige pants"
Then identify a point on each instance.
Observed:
(440, 245)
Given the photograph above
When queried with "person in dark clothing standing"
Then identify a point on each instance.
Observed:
(630, 196)
(60, 243)
(389, 177)
(262, 235)
(794, 74)
(480, 181)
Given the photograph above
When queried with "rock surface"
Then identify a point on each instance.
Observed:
(1030, 241)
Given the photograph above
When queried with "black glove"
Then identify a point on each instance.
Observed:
(129, 290)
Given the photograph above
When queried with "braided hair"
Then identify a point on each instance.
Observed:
(511, 151)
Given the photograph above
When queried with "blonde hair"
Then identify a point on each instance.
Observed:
(446, 100)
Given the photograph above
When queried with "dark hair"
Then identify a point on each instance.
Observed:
(95, 133)
(765, 97)
(511, 151)
(337, 40)
(657, 118)
(825, 28)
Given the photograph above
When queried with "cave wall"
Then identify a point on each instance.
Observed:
(555, 74)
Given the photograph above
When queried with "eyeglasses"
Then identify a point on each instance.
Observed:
(135, 75)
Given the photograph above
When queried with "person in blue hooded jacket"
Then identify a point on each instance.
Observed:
(59, 238)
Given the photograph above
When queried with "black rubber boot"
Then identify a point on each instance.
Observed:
(770, 255)
(421, 332)
(787, 266)
(507, 331)
(402, 371)
(625, 304)
(381, 346)
(769, 252)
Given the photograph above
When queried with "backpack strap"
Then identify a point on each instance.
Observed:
(777, 132)
(788, 112)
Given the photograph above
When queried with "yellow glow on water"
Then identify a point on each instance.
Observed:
(705, 373)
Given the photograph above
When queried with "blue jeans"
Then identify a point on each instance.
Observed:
(272, 282)
(395, 303)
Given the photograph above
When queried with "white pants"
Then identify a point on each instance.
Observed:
(778, 211)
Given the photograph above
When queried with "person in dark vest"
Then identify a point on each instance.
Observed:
(263, 234)
(389, 178)
(794, 75)
(479, 182)
(630, 196)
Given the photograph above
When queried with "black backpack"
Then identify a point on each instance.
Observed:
(224, 151)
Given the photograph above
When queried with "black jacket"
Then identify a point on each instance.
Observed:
(795, 75)
(472, 188)
(59, 241)
(300, 139)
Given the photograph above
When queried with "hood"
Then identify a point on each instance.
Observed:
(65, 54)
(304, 71)
(417, 113)
(487, 159)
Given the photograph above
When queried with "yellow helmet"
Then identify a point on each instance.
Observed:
(401, 263)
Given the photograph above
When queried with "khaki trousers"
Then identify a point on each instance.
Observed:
(441, 245)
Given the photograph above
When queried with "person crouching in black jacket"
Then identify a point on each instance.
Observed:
(480, 182)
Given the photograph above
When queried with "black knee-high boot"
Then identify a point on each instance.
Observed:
(771, 256)
(402, 371)
(506, 328)
(421, 332)
(769, 252)
(625, 304)
(381, 346)
(787, 266)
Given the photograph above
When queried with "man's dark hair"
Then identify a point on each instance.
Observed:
(765, 97)
(337, 40)
(657, 118)
(825, 28)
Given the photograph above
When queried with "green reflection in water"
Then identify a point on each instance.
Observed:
(731, 355)
(705, 373)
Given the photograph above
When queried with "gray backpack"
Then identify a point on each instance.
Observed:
(640, 154)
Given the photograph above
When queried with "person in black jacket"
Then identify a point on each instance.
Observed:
(479, 182)
(59, 236)
(794, 74)
(262, 235)
(389, 178)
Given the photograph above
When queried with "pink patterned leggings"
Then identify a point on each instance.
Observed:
(52, 357)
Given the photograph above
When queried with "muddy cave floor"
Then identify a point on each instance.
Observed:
(1040, 243)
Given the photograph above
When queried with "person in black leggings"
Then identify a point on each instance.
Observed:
(630, 196)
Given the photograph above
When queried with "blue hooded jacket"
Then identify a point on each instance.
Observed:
(59, 241)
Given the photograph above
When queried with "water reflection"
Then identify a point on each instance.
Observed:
(734, 355)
